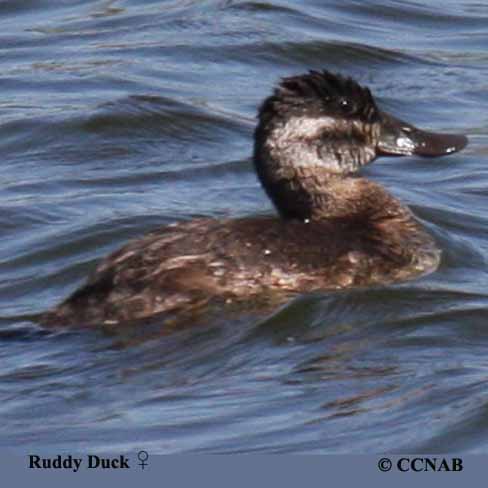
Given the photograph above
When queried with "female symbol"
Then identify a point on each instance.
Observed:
(143, 456)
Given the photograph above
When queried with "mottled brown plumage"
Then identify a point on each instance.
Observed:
(336, 230)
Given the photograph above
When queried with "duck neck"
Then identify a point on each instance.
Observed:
(301, 160)
(312, 193)
(357, 203)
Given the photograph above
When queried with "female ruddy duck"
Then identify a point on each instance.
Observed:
(335, 230)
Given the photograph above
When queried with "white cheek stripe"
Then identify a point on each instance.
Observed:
(302, 127)
(292, 144)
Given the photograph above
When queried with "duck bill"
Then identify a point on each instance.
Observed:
(402, 139)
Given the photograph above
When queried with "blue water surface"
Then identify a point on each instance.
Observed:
(117, 117)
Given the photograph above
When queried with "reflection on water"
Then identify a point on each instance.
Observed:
(118, 117)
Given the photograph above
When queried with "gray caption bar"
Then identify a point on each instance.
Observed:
(261, 470)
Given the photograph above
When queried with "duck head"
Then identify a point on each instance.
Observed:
(324, 124)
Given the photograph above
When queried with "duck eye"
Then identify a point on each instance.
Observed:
(346, 105)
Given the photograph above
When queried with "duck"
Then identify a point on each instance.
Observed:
(333, 228)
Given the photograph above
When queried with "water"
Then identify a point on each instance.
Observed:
(120, 116)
